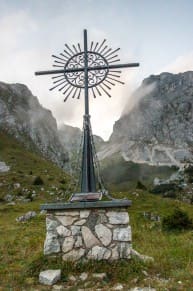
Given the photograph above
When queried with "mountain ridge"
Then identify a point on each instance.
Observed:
(22, 116)
(158, 129)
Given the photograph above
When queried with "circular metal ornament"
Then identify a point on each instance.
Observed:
(95, 77)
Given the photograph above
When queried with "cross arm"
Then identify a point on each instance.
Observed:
(118, 66)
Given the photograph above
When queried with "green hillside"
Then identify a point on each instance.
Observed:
(21, 244)
(26, 167)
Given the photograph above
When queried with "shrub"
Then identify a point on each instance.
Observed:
(38, 181)
(140, 186)
(162, 188)
(29, 196)
(63, 181)
(178, 220)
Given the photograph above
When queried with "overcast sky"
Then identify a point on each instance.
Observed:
(158, 34)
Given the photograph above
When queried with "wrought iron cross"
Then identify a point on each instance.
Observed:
(92, 68)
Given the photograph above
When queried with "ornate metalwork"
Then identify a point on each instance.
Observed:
(94, 77)
(93, 69)
(99, 80)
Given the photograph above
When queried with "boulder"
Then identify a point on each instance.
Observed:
(49, 277)
(8, 198)
(4, 167)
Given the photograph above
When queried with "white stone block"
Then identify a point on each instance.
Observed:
(66, 220)
(51, 244)
(51, 224)
(49, 277)
(76, 230)
(99, 253)
(78, 242)
(115, 253)
(68, 244)
(89, 239)
(104, 234)
(124, 250)
(63, 231)
(73, 255)
(84, 213)
(118, 217)
(122, 234)
(80, 222)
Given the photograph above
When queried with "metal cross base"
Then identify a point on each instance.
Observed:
(88, 197)
(86, 205)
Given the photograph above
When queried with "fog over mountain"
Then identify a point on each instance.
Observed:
(22, 116)
(155, 128)
(158, 127)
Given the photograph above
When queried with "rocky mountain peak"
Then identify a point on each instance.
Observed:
(22, 116)
(158, 129)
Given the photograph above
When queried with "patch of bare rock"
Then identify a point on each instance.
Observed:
(84, 281)
(27, 216)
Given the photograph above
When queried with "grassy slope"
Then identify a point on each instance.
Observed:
(24, 167)
(21, 244)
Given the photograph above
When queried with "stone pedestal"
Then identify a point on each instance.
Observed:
(88, 230)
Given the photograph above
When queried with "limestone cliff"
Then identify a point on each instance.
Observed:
(22, 116)
(158, 130)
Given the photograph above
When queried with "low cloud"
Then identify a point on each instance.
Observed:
(136, 96)
(23, 51)
(180, 64)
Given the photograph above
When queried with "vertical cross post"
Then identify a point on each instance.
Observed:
(88, 181)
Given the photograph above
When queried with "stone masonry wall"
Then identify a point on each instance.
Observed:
(98, 234)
